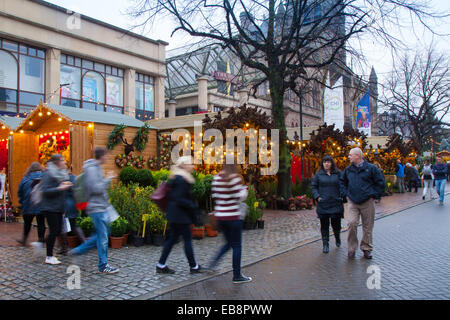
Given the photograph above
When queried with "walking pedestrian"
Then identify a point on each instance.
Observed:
(95, 187)
(228, 192)
(182, 212)
(55, 181)
(400, 174)
(448, 170)
(32, 177)
(71, 213)
(440, 172)
(363, 184)
(329, 192)
(427, 177)
(412, 177)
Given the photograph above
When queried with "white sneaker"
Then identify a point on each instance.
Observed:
(52, 260)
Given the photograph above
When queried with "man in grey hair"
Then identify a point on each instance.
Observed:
(363, 184)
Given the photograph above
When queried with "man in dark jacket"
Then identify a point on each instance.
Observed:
(363, 184)
(439, 172)
(412, 176)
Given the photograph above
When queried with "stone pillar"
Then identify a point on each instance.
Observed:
(202, 93)
(129, 92)
(52, 75)
(160, 105)
(243, 96)
(172, 105)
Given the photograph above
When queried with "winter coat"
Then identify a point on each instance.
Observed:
(439, 171)
(400, 170)
(412, 175)
(427, 173)
(95, 186)
(181, 207)
(71, 211)
(53, 200)
(24, 193)
(363, 182)
(331, 192)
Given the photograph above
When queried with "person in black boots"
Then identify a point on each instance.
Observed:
(182, 211)
(329, 192)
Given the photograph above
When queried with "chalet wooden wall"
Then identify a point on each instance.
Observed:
(81, 143)
(23, 151)
(101, 134)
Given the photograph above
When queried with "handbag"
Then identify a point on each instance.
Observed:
(243, 209)
(160, 196)
(112, 214)
(66, 225)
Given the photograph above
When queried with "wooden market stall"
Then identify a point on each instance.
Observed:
(72, 132)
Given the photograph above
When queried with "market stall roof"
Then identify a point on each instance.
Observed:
(11, 122)
(71, 115)
(180, 121)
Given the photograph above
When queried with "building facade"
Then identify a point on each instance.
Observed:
(51, 54)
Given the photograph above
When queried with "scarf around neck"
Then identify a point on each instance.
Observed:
(177, 171)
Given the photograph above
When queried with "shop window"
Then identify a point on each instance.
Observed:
(93, 88)
(149, 98)
(145, 97)
(9, 45)
(31, 74)
(8, 71)
(72, 76)
(114, 91)
(32, 99)
(70, 103)
(114, 109)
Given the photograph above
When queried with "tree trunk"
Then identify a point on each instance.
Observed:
(284, 170)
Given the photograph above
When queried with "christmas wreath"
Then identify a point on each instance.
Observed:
(141, 138)
(123, 160)
(116, 136)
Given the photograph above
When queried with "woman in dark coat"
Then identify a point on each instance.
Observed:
(182, 211)
(71, 213)
(30, 179)
(329, 192)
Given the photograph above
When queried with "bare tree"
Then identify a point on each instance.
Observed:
(419, 88)
(284, 39)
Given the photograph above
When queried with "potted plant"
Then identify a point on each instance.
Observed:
(198, 232)
(127, 231)
(157, 225)
(72, 240)
(253, 213)
(117, 231)
(86, 224)
(260, 221)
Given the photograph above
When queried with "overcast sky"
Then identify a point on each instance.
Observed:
(113, 12)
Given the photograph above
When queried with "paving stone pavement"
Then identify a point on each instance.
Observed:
(410, 249)
(23, 276)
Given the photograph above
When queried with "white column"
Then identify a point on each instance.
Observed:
(129, 92)
(202, 93)
(243, 96)
(160, 105)
(52, 75)
(172, 105)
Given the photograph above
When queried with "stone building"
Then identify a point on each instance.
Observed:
(51, 54)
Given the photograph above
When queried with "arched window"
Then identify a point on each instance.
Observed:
(93, 91)
(9, 74)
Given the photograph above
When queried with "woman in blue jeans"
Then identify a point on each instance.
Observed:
(182, 211)
(228, 192)
(439, 172)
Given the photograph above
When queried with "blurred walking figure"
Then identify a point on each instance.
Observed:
(95, 187)
(182, 211)
(363, 184)
(413, 177)
(329, 192)
(427, 177)
(71, 213)
(400, 174)
(32, 177)
(228, 192)
(55, 182)
(440, 172)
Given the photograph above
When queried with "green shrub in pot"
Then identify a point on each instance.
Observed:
(118, 227)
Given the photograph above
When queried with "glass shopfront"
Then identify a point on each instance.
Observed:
(145, 97)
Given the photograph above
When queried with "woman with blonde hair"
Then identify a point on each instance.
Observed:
(182, 211)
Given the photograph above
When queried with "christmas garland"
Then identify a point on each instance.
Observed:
(141, 138)
(115, 137)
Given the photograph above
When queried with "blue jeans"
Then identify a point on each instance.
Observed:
(440, 188)
(232, 230)
(177, 230)
(99, 239)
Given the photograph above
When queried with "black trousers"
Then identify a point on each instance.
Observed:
(54, 221)
(325, 227)
(28, 220)
(411, 184)
(177, 230)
